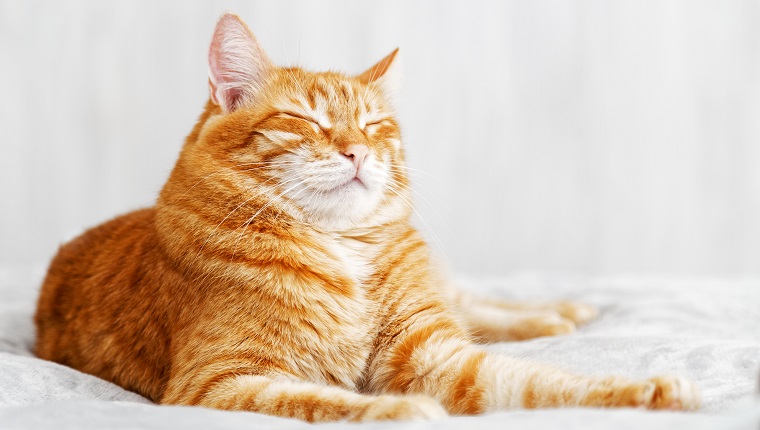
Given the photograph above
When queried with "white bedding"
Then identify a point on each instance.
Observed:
(708, 330)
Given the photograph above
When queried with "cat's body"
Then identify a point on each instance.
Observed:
(279, 272)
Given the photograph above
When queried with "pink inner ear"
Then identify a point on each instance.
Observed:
(212, 91)
(237, 65)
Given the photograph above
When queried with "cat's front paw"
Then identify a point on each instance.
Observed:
(662, 392)
(402, 408)
(669, 392)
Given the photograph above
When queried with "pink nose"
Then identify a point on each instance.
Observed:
(357, 153)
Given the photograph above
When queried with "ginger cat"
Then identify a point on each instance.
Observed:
(278, 272)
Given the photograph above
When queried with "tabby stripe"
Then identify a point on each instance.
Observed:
(530, 396)
(207, 386)
(401, 363)
(466, 395)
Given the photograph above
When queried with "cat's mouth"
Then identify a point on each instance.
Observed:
(353, 182)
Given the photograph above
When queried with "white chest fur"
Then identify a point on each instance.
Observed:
(355, 256)
(344, 323)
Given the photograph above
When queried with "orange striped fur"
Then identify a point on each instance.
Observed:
(278, 272)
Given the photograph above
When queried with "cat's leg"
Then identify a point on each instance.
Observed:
(302, 400)
(493, 320)
(578, 313)
(427, 354)
(492, 324)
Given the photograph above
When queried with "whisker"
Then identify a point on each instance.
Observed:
(426, 201)
(213, 232)
(400, 168)
(374, 91)
(289, 179)
(289, 72)
(222, 170)
(371, 79)
(251, 219)
(294, 196)
(435, 237)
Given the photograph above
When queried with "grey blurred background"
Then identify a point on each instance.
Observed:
(587, 137)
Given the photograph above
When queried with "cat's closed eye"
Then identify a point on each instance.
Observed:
(293, 115)
(314, 123)
(365, 124)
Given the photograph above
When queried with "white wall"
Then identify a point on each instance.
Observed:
(588, 136)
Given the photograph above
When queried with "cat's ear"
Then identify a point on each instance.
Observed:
(386, 74)
(237, 65)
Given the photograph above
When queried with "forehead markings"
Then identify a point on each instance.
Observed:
(322, 100)
(362, 110)
(301, 107)
(327, 89)
(312, 101)
(321, 94)
(347, 91)
(361, 113)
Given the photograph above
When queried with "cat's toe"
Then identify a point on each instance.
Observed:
(579, 313)
(547, 323)
(404, 408)
(428, 408)
(556, 327)
(670, 392)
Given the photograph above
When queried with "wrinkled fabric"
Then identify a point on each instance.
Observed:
(705, 329)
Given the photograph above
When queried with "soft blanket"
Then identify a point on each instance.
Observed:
(705, 329)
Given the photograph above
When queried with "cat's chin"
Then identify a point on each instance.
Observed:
(343, 207)
(348, 186)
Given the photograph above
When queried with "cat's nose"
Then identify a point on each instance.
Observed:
(357, 153)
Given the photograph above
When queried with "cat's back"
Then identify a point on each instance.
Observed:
(102, 301)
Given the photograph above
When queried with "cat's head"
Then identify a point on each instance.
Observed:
(323, 146)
